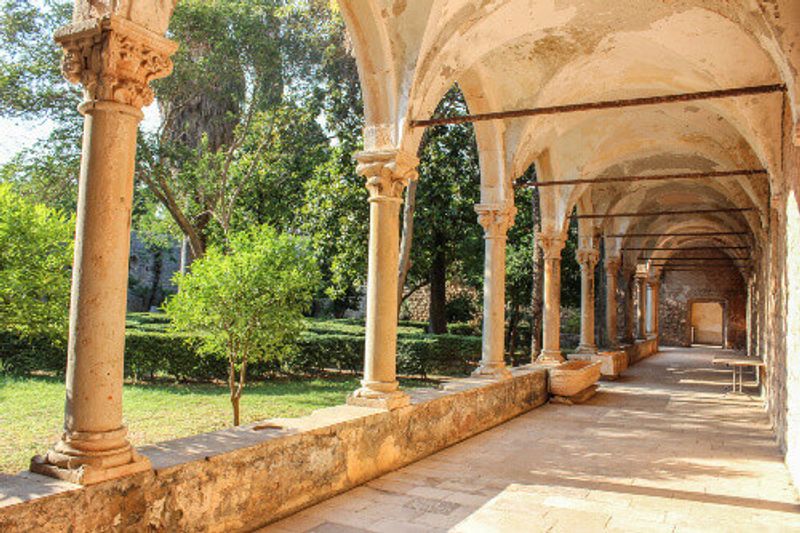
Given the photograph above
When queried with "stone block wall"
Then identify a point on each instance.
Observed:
(777, 290)
(244, 478)
(679, 289)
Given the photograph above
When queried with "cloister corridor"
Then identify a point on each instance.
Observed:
(664, 448)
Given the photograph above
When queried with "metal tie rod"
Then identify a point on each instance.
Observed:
(680, 234)
(604, 104)
(653, 177)
(659, 213)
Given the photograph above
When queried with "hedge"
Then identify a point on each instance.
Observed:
(151, 350)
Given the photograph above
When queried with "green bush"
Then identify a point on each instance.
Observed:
(464, 328)
(22, 355)
(153, 351)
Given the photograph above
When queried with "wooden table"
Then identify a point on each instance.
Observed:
(738, 364)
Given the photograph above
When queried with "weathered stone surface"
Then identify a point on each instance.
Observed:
(680, 289)
(573, 377)
(612, 364)
(641, 350)
(243, 478)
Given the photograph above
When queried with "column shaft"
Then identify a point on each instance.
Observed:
(612, 270)
(587, 258)
(655, 287)
(387, 173)
(630, 309)
(495, 220)
(551, 318)
(642, 316)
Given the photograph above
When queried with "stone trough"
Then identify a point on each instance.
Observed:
(574, 381)
(612, 363)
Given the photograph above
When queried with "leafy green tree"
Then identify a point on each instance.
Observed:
(447, 237)
(36, 244)
(247, 301)
(33, 90)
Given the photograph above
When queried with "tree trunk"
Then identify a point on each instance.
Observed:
(538, 269)
(437, 313)
(406, 241)
(235, 402)
(158, 260)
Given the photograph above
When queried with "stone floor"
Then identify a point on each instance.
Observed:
(662, 449)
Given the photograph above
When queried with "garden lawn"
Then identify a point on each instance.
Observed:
(32, 410)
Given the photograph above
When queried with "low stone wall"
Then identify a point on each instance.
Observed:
(247, 477)
(641, 350)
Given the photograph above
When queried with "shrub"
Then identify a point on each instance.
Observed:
(464, 328)
(36, 244)
(247, 301)
(22, 355)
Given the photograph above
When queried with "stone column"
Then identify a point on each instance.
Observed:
(387, 173)
(642, 316)
(551, 244)
(495, 219)
(655, 286)
(114, 59)
(612, 265)
(630, 309)
(587, 259)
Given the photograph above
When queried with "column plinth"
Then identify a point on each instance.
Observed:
(587, 259)
(612, 265)
(387, 173)
(551, 245)
(496, 220)
(114, 59)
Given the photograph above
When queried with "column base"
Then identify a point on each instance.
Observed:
(368, 397)
(550, 357)
(494, 370)
(586, 349)
(86, 474)
(88, 457)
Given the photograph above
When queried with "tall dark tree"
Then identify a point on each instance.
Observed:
(447, 237)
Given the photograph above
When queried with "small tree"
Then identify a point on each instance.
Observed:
(35, 260)
(247, 301)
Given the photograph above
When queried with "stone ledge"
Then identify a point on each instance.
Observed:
(244, 478)
(641, 349)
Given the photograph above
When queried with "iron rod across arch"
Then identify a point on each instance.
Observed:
(604, 104)
(659, 213)
(679, 234)
(676, 248)
(654, 177)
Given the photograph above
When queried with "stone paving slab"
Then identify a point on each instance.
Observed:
(664, 448)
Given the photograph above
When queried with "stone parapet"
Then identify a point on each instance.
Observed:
(244, 478)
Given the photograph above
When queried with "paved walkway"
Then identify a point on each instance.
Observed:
(662, 449)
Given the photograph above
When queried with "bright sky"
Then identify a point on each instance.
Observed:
(20, 134)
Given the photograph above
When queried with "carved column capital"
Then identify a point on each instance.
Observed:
(612, 265)
(551, 244)
(388, 172)
(587, 257)
(114, 59)
(496, 219)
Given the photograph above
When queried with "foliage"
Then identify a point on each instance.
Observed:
(31, 83)
(247, 303)
(34, 267)
(447, 238)
(32, 89)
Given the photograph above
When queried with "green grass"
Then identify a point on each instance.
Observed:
(32, 410)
